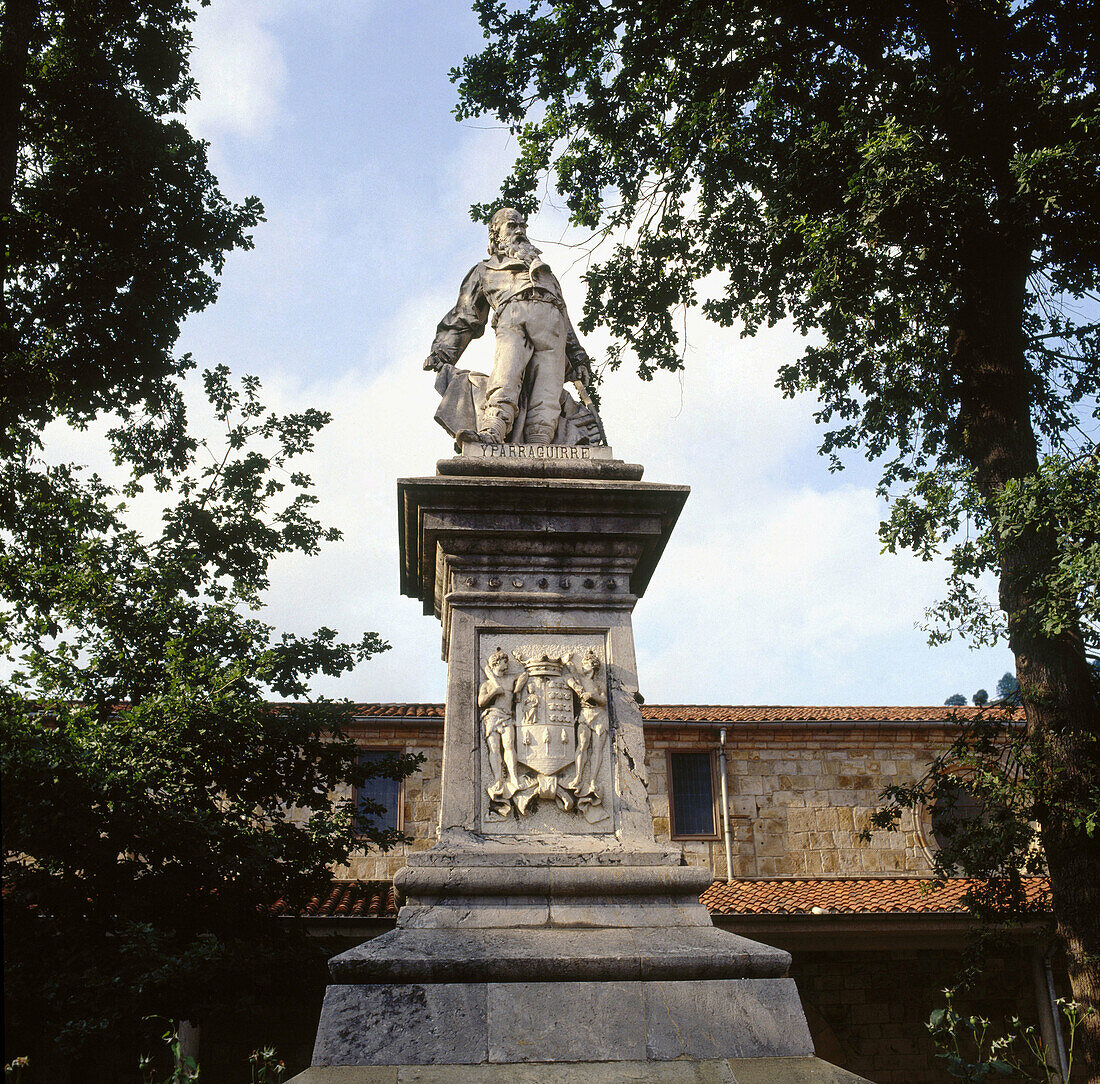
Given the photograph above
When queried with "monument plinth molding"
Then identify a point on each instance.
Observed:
(547, 931)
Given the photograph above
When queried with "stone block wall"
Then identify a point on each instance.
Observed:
(801, 795)
(862, 1018)
(420, 794)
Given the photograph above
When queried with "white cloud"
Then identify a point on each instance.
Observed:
(240, 69)
(382, 430)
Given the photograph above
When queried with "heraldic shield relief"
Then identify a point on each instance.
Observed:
(545, 722)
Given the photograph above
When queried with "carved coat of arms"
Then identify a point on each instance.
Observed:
(539, 745)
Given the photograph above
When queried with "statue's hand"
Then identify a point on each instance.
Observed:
(583, 374)
(433, 363)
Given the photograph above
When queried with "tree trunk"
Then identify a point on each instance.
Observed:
(1063, 717)
(15, 36)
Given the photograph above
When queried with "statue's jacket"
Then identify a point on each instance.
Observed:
(488, 287)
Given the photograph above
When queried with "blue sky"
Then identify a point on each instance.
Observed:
(338, 116)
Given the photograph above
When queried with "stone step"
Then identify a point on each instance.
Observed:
(557, 955)
(550, 881)
(538, 912)
(720, 1071)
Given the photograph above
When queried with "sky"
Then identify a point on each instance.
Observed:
(338, 115)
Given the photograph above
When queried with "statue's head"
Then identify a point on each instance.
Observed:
(498, 662)
(590, 662)
(506, 228)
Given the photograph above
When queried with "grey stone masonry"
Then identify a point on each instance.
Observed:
(546, 926)
(712, 1071)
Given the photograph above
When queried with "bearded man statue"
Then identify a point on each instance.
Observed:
(537, 350)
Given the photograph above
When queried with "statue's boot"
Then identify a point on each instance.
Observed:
(539, 433)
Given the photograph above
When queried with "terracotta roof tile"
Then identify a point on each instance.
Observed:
(852, 896)
(773, 713)
(729, 713)
(783, 896)
(345, 899)
(398, 711)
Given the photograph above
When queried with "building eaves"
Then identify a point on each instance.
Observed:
(739, 713)
(768, 896)
(854, 895)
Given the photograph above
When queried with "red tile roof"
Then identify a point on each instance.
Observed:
(345, 899)
(839, 895)
(775, 713)
(853, 896)
(397, 711)
(728, 713)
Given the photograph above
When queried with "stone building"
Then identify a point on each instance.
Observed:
(874, 938)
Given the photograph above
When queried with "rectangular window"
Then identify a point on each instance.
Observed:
(381, 789)
(691, 796)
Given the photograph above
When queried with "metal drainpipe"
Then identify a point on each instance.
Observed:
(725, 805)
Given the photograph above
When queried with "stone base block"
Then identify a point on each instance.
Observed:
(557, 954)
(717, 1071)
(507, 1023)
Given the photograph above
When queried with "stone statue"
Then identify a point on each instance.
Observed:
(522, 400)
(592, 728)
(496, 698)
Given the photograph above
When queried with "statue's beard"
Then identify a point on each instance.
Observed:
(518, 249)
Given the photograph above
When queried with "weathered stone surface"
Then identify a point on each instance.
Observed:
(363, 1074)
(498, 453)
(466, 913)
(546, 955)
(699, 952)
(464, 808)
(792, 1071)
(619, 1072)
(555, 1021)
(656, 911)
(741, 1071)
(632, 1072)
(607, 469)
(560, 524)
(472, 849)
(529, 950)
(402, 1024)
(566, 1021)
(542, 880)
(745, 1018)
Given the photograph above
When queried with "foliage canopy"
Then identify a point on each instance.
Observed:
(895, 180)
(113, 229)
(155, 804)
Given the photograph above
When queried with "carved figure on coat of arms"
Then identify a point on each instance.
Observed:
(497, 698)
(539, 745)
(592, 728)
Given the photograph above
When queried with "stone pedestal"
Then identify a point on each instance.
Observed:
(546, 926)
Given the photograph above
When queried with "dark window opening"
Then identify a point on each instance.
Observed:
(381, 789)
(691, 795)
(954, 810)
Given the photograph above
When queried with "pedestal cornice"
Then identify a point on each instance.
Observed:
(535, 542)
